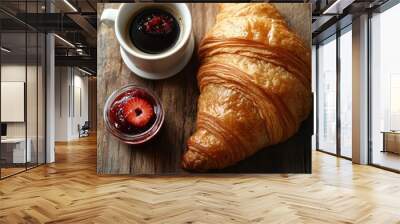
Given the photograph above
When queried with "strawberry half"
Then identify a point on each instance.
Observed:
(138, 111)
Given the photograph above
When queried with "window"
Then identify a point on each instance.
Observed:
(327, 96)
(334, 106)
(385, 89)
(314, 90)
(346, 92)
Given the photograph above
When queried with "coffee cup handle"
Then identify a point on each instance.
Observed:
(109, 16)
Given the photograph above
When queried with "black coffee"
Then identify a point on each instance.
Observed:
(154, 30)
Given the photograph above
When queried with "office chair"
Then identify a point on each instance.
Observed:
(84, 130)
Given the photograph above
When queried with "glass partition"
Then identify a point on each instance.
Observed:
(14, 153)
(22, 77)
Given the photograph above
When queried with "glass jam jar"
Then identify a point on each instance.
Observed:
(133, 114)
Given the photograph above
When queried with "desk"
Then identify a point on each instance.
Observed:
(391, 141)
(13, 150)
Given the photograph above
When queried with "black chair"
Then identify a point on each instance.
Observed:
(84, 130)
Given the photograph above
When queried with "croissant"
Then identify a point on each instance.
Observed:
(254, 81)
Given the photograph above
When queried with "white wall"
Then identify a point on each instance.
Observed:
(68, 81)
(61, 113)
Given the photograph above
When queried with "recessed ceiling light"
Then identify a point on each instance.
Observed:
(5, 50)
(64, 40)
(70, 5)
(84, 71)
(337, 7)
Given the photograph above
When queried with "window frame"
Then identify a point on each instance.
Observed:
(334, 37)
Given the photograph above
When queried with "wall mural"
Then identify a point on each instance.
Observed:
(204, 87)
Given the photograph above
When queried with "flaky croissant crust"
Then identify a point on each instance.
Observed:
(254, 83)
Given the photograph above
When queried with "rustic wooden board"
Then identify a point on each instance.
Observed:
(179, 96)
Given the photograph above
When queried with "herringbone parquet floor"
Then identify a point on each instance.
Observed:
(69, 191)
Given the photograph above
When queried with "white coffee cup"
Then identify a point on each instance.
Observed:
(152, 66)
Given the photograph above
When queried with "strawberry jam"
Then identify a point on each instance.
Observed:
(132, 112)
(154, 30)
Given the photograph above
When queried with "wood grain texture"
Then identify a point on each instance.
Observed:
(179, 96)
(70, 191)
